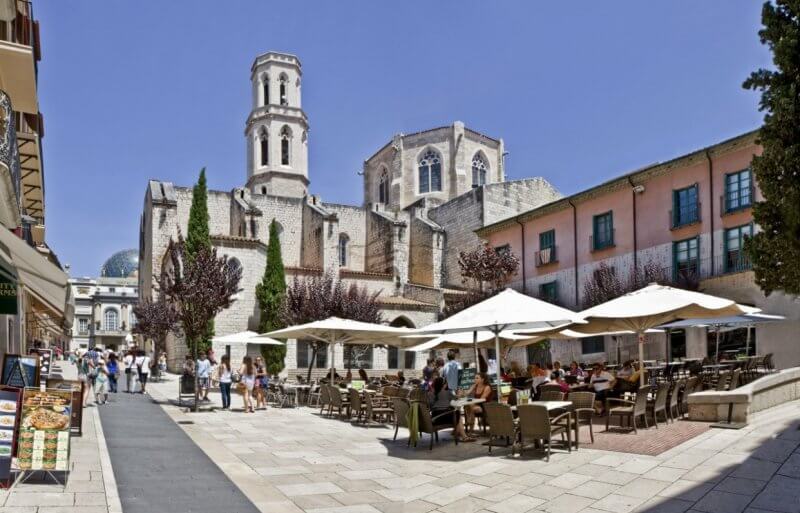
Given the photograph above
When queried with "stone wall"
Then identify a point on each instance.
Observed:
(352, 223)
(288, 212)
(379, 251)
(459, 218)
(311, 249)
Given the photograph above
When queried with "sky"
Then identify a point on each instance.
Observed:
(580, 92)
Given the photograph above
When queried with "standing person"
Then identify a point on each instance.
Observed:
(127, 363)
(188, 366)
(225, 379)
(203, 375)
(427, 374)
(261, 384)
(142, 363)
(162, 362)
(85, 368)
(113, 373)
(248, 380)
(211, 357)
(450, 371)
(101, 382)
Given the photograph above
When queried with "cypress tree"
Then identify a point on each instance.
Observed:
(270, 295)
(775, 250)
(197, 237)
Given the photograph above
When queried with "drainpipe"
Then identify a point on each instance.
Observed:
(711, 204)
(522, 235)
(635, 257)
(575, 248)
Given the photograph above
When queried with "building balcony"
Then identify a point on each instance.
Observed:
(684, 216)
(31, 179)
(546, 256)
(110, 333)
(19, 52)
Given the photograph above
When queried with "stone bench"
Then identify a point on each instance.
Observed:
(765, 392)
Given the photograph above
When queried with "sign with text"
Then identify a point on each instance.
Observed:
(76, 387)
(45, 430)
(20, 371)
(8, 296)
(466, 378)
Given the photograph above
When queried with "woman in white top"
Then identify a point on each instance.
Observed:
(127, 364)
(248, 373)
(142, 363)
(225, 379)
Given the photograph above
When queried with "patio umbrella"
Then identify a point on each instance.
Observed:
(508, 310)
(720, 324)
(653, 306)
(334, 330)
(570, 334)
(459, 340)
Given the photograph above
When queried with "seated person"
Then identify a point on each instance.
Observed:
(575, 370)
(362, 375)
(481, 389)
(516, 370)
(602, 381)
(557, 369)
(401, 378)
(626, 371)
(439, 399)
(538, 376)
(556, 378)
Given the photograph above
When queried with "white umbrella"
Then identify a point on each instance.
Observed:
(653, 306)
(458, 340)
(571, 334)
(729, 322)
(343, 331)
(508, 310)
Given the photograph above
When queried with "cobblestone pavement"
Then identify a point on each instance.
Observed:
(90, 486)
(292, 460)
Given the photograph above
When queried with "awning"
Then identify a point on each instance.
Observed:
(38, 276)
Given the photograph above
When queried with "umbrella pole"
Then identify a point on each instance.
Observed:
(716, 351)
(747, 343)
(475, 348)
(641, 358)
(497, 354)
(330, 352)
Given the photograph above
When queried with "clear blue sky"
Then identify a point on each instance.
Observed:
(579, 91)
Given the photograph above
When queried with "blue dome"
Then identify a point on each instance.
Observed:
(122, 264)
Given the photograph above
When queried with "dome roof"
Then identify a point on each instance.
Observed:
(122, 264)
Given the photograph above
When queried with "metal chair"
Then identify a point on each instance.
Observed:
(673, 402)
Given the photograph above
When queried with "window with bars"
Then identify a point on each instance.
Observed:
(685, 206)
(735, 257)
(547, 248)
(685, 258)
(738, 190)
(603, 231)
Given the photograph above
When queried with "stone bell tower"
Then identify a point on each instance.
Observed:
(277, 128)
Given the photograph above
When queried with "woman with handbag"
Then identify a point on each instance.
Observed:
(225, 377)
(261, 384)
(248, 375)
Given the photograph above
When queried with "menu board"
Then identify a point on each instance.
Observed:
(20, 371)
(44, 430)
(77, 400)
(45, 362)
(9, 415)
(466, 378)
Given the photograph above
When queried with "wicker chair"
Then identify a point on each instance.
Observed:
(356, 405)
(500, 419)
(632, 409)
(689, 388)
(426, 422)
(400, 409)
(375, 414)
(535, 424)
(722, 381)
(735, 378)
(673, 403)
(659, 403)
(583, 407)
(552, 395)
(324, 398)
(342, 406)
(548, 387)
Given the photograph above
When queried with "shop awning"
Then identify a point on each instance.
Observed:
(37, 275)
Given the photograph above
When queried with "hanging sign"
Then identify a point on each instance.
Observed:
(44, 430)
(8, 296)
(20, 371)
(9, 421)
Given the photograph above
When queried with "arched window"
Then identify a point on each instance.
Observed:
(284, 92)
(479, 169)
(265, 89)
(264, 190)
(383, 187)
(286, 135)
(263, 147)
(343, 242)
(110, 320)
(234, 264)
(430, 172)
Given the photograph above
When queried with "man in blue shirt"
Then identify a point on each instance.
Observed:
(203, 370)
(450, 371)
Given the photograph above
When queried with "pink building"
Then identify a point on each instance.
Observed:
(683, 221)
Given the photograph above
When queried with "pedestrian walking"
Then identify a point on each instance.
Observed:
(142, 363)
(85, 369)
(113, 373)
(261, 384)
(127, 364)
(225, 378)
(203, 375)
(162, 363)
(247, 383)
(101, 382)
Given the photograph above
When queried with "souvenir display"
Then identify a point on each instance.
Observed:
(45, 430)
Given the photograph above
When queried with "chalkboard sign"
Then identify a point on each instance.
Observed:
(466, 378)
(10, 400)
(20, 371)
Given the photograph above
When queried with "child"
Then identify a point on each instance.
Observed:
(101, 382)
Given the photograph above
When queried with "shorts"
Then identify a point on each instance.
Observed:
(249, 383)
(203, 382)
(101, 386)
(143, 377)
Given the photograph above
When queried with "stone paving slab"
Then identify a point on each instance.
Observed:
(295, 460)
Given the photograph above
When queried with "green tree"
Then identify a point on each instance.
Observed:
(775, 250)
(197, 238)
(270, 294)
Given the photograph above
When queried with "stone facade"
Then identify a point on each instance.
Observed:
(403, 242)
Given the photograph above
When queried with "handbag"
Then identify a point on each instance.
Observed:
(236, 377)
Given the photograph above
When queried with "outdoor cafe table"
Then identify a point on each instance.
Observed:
(560, 405)
(301, 390)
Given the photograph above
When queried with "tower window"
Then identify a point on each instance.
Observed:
(284, 93)
(285, 136)
(343, 241)
(264, 190)
(264, 148)
(383, 188)
(265, 89)
(430, 172)
(479, 168)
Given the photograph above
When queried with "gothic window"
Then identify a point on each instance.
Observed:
(343, 242)
(263, 141)
(265, 89)
(284, 93)
(285, 137)
(479, 169)
(383, 187)
(430, 172)
(110, 320)
(264, 190)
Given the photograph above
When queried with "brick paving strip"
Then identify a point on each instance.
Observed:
(158, 468)
(292, 460)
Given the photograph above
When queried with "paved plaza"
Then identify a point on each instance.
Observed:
(291, 460)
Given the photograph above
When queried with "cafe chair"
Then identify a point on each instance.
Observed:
(426, 422)
(583, 407)
(630, 410)
(375, 414)
(552, 395)
(535, 424)
(342, 406)
(356, 405)
(673, 403)
(659, 404)
(324, 398)
(501, 423)
(400, 408)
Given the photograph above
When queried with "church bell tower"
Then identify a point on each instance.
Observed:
(277, 128)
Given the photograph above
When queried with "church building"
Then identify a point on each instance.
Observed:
(425, 194)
